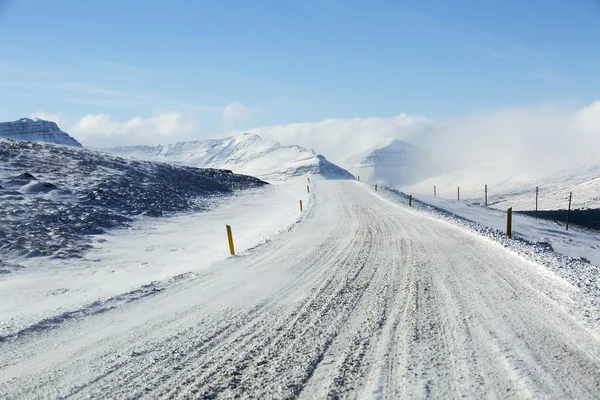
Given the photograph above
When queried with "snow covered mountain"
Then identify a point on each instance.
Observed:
(246, 154)
(394, 163)
(36, 130)
(52, 198)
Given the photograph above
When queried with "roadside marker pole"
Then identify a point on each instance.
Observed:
(569, 210)
(458, 193)
(536, 197)
(375, 187)
(410, 201)
(308, 180)
(307, 189)
(230, 239)
(359, 178)
(434, 191)
(509, 222)
(300, 205)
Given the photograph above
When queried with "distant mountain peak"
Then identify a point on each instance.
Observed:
(248, 153)
(36, 130)
(392, 161)
(395, 143)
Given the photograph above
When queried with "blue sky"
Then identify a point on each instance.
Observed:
(285, 61)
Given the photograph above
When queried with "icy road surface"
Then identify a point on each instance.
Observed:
(363, 298)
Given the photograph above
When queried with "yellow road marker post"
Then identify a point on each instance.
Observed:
(230, 239)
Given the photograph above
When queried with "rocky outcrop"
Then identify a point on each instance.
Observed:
(36, 130)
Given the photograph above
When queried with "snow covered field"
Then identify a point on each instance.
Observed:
(363, 297)
(509, 188)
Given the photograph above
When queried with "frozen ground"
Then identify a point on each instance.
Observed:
(53, 197)
(363, 298)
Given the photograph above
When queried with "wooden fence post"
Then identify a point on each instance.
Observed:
(569, 210)
(486, 195)
(509, 222)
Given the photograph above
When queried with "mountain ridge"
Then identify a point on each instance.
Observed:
(36, 130)
(248, 154)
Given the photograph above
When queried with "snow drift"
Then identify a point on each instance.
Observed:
(247, 154)
(52, 197)
(36, 130)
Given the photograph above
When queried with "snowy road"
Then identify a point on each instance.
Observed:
(363, 298)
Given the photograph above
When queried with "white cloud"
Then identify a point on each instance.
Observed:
(235, 113)
(338, 138)
(588, 118)
(101, 130)
(534, 138)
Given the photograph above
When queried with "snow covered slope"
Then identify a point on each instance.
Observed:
(472, 182)
(582, 179)
(36, 130)
(508, 188)
(53, 197)
(247, 154)
(393, 163)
